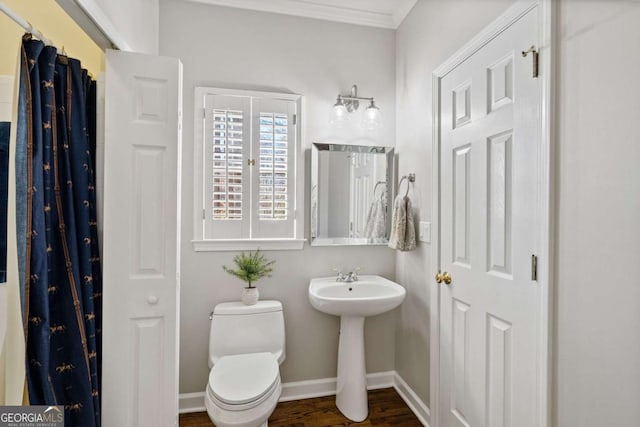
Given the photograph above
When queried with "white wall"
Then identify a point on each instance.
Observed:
(132, 25)
(242, 49)
(431, 33)
(597, 328)
(136, 21)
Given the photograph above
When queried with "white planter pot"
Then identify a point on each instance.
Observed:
(250, 296)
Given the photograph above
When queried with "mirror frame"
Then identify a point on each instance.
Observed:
(316, 148)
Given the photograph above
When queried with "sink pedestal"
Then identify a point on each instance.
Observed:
(351, 395)
(353, 302)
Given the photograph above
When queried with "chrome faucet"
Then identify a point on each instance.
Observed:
(351, 276)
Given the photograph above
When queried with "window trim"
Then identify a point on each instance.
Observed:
(199, 242)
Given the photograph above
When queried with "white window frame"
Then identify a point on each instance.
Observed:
(202, 244)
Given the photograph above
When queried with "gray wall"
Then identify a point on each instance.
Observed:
(339, 195)
(429, 35)
(597, 327)
(241, 49)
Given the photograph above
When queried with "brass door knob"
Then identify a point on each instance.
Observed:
(443, 277)
(446, 278)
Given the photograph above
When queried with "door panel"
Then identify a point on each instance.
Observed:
(460, 398)
(489, 312)
(499, 203)
(141, 235)
(461, 211)
(498, 389)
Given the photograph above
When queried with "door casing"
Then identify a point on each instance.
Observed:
(544, 229)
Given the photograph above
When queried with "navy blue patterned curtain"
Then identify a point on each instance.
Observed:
(5, 128)
(62, 285)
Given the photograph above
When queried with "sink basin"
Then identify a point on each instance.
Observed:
(353, 301)
(369, 296)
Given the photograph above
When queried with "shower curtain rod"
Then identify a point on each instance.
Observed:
(24, 24)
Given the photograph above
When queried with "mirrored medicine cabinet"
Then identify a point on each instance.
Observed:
(351, 192)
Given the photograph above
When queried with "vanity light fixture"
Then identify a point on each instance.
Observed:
(346, 104)
(371, 118)
(340, 112)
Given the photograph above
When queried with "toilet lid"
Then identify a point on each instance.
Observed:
(243, 378)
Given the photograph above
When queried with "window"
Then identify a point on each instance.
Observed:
(248, 164)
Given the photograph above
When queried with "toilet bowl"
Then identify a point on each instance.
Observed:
(243, 390)
(246, 349)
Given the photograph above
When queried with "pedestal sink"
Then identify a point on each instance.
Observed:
(353, 301)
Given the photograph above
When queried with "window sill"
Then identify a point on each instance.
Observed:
(248, 245)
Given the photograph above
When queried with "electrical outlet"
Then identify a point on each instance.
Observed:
(425, 232)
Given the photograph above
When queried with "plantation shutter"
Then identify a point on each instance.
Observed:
(247, 175)
(227, 149)
(273, 181)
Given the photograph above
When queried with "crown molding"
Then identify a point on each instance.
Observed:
(328, 12)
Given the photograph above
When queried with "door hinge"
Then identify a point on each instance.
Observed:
(534, 52)
(295, 119)
(534, 268)
(204, 113)
(251, 162)
(204, 214)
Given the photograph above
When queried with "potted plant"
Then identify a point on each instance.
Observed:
(251, 268)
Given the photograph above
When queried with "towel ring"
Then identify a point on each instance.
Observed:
(375, 188)
(410, 178)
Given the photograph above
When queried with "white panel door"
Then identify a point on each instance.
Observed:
(490, 113)
(143, 100)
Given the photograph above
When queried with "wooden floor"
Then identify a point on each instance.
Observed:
(386, 408)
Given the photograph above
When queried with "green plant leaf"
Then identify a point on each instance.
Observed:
(251, 267)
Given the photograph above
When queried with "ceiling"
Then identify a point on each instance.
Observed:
(373, 13)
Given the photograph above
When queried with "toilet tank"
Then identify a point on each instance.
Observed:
(237, 328)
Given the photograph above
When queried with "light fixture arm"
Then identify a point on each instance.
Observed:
(352, 100)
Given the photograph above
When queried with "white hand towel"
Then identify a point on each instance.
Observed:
(403, 230)
(369, 225)
(376, 227)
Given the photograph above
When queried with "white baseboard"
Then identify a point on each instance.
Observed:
(297, 390)
(417, 406)
(191, 402)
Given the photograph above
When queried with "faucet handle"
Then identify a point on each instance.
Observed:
(353, 275)
(341, 276)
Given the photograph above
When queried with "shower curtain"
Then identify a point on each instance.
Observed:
(5, 129)
(58, 258)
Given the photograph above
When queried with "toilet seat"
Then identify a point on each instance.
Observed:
(243, 381)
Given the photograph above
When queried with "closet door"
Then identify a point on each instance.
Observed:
(143, 110)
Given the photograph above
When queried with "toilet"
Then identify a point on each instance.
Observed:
(246, 348)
